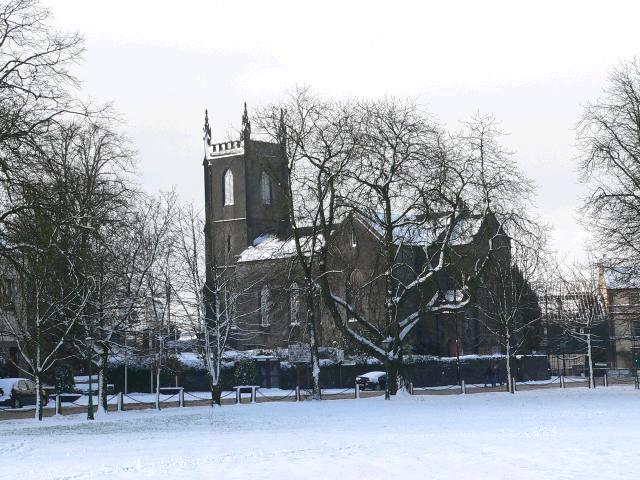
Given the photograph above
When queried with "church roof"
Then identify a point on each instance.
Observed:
(411, 232)
(270, 247)
(418, 231)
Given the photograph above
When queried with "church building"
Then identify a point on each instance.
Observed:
(248, 235)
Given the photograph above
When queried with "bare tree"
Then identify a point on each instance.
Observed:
(609, 137)
(35, 80)
(208, 310)
(512, 314)
(579, 309)
(313, 134)
(424, 193)
(35, 90)
(52, 291)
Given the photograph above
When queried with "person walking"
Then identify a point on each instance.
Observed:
(494, 374)
(487, 375)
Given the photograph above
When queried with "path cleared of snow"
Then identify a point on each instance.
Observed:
(550, 434)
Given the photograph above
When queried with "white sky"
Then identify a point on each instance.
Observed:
(532, 64)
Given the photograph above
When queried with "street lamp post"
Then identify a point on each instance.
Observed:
(386, 342)
(90, 361)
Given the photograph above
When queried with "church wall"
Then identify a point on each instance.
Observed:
(272, 218)
(226, 222)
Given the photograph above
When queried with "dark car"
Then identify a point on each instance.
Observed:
(372, 381)
(18, 392)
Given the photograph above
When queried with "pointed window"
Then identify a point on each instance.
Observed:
(265, 300)
(228, 187)
(354, 293)
(294, 304)
(265, 187)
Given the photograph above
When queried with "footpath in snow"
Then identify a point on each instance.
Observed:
(552, 434)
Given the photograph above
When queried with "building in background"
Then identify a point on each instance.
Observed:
(621, 292)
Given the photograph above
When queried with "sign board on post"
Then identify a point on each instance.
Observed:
(339, 355)
(299, 353)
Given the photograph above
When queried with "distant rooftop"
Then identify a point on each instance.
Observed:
(621, 277)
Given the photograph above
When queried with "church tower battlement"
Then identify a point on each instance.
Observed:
(245, 193)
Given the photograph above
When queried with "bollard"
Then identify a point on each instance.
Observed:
(58, 405)
(637, 380)
(181, 397)
(237, 396)
(410, 388)
(605, 380)
(463, 388)
(357, 391)
(297, 394)
(253, 394)
(513, 385)
(120, 405)
(561, 381)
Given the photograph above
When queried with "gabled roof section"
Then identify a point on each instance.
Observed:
(270, 247)
(416, 230)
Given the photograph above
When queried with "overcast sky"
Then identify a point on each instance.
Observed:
(533, 65)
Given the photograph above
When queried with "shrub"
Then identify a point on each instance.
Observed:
(246, 372)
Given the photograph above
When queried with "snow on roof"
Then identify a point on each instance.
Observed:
(412, 230)
(621, 278)
(269, 247)
(373, 376)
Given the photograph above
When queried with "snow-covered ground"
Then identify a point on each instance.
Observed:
(546, 434)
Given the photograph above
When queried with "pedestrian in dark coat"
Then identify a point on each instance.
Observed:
(488, 375)
(494, 375)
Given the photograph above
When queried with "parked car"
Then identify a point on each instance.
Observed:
(372, 381)
(18, 392)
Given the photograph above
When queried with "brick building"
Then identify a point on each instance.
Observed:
(620, 289)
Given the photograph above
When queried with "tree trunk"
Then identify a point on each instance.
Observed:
(216, 395)
(101, 406)
(590, 361)
(313, 342)
(394, 376)
(37, 372)
(39, 405)
(103, 381)
(158, 388)
(508, 362)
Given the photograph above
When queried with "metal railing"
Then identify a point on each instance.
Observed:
(297, 394)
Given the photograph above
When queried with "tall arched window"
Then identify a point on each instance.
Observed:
(265, 187)
(265, 300)
(294, 304)
(354, 293)
(228, 187)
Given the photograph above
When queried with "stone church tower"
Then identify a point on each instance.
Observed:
(245, 184)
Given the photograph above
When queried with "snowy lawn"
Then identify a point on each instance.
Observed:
(547, 434)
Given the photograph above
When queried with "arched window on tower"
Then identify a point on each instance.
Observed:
(265, 306)
(294, 304)
(228, 187)
(265, 188)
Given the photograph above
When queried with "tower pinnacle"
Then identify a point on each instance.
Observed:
(207, 132)
(246, 124)
(282, 128)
